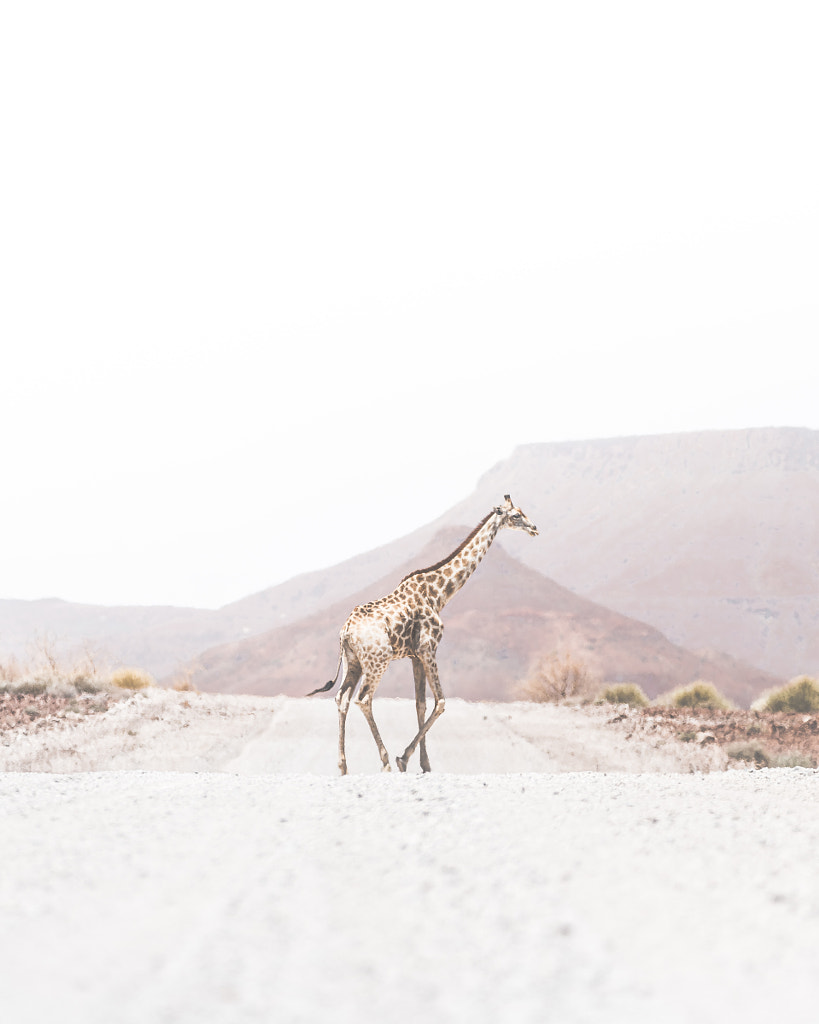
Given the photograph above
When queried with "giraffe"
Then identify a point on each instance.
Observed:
(407, 624)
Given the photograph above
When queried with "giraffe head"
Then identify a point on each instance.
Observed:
(514, 518)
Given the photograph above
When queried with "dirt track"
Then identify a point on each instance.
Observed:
(167, 731)
(244, 882)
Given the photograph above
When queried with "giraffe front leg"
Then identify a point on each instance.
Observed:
(431, 671)
(421, 711)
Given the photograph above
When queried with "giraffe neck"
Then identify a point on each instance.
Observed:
(445, 580)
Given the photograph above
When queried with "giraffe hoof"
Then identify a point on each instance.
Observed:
(386, 768)
(402, 763)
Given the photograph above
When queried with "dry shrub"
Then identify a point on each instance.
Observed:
(51, 672)
(624, 693)
(800, 696)
(697, 695)
(560, 677)
(757, 755)
(48, 672)
(130, 679)
(183, 680)
(10, 671)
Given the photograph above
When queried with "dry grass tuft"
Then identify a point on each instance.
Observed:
(131, 679)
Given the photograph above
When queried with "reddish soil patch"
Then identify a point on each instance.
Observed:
(771, 736)
(37, 711)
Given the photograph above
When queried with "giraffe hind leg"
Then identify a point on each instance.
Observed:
(372, 677)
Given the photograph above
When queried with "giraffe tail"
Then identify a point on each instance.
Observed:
(330, 682)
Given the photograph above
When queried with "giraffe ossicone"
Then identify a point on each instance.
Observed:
(407, 624)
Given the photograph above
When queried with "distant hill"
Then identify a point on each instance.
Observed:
(156, 638)
(495, 627)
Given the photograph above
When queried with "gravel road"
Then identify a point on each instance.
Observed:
(559, 896)
(166, 731)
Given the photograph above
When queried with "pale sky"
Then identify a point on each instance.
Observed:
(280, 281)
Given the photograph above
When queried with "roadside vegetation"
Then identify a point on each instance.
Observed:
(800, 696)
(781, 729)
(50, 686)
(624, 693)
(761, 757)
(130, 679)
(697, 695)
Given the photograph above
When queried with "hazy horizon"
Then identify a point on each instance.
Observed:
(283, 281)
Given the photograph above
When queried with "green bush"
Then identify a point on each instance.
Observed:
(130, 679)
(697, 695)
(751, 752)
(625, 693)
(801, 695)
(82, 684)
(27, 687)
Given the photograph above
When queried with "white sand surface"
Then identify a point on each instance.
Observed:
(530, 895)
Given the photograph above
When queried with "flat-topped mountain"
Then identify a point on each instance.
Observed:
(711, 537)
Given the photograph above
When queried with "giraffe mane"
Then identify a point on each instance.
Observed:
(452, 554)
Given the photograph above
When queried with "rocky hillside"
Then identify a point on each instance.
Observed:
(712, 537)
(505, 617)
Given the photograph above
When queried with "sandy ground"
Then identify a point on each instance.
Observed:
(548, 870)
(168, 731)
